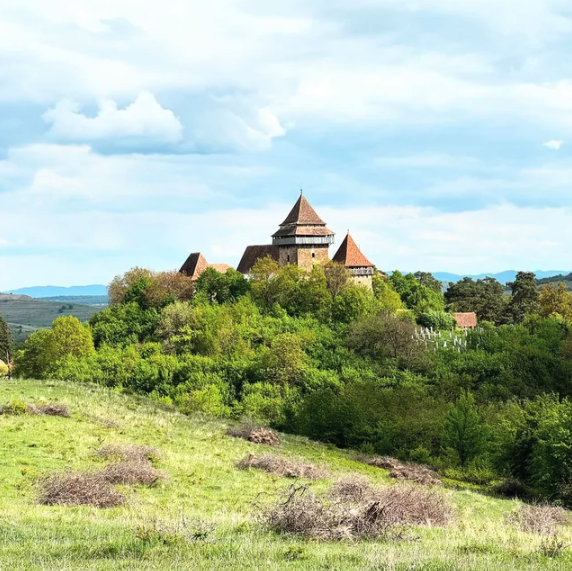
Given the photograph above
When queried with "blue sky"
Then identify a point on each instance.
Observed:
(133, 133)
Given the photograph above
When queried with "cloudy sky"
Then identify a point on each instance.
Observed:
(135, 132)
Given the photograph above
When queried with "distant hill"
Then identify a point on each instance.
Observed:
(502, 277)
(40, 292)
(14, 297)
(27, 315)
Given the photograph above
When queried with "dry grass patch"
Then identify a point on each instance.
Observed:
(543, 519)
(417, 473)
(105, 422)
(132, 472)
(256, 434)
(129, 452)
(79, 489)
(52, 409)
(284, 467)
(352, 488)
(377, 513)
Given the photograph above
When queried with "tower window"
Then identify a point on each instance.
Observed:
(313, 254)
(288, 258)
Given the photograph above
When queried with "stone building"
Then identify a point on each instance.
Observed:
(304, 239)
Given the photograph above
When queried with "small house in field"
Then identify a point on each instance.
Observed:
(466, 320)
(196, 264)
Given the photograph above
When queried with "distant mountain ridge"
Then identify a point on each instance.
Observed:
(502, 277)
(39, 292)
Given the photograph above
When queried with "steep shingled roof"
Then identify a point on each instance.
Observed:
(303, 214)
(196, 264)
(350, 255)
(253, 253)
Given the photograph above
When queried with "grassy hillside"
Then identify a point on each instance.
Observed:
(206, 494)
(26, 316)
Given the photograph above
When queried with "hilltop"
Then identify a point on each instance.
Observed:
(205, 516)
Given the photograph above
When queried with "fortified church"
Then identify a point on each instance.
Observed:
(302, 239)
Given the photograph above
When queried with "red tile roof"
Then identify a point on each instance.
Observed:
(254, 253)
(350, 255)
(302, 214)
(466, 320)
(196, 264)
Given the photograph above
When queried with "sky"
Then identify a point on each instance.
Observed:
(133, 133)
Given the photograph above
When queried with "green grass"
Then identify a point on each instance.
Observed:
(206, 489)
(26, 316)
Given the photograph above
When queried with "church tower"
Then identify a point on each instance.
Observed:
(303, 238)
(350, 256)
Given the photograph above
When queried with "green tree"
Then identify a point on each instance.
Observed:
(6, 345)
(386, 336)
(222, 288)
(428, 280)
(416, 296)
(525, 297)
(264, 283)
(34, 360)
(285, 362)
(337, 278)
(389, 299)
(484, 297)
(463, 430)
(354, 302)
(70, 338)
(555, 300)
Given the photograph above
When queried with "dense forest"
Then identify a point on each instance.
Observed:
(384, 371)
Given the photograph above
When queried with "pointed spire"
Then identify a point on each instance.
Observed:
(350, 255)
(303, 214)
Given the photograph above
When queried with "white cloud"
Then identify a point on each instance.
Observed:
(142, 119)
(553, 144)
(92, 247)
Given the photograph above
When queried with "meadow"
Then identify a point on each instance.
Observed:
(205, 515)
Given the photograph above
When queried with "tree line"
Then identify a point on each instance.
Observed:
(314, 354)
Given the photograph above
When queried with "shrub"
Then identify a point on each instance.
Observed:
(352, 488)
(256, 434)
(78, 489)
(511, 488)
(131, 452)
(542, 519)
(15, 408)
(52, 409)
(132, 472)
(283, 467)
(373, 512)
(403, 470)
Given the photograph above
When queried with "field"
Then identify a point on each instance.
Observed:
(206, 494)
(25, 317)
